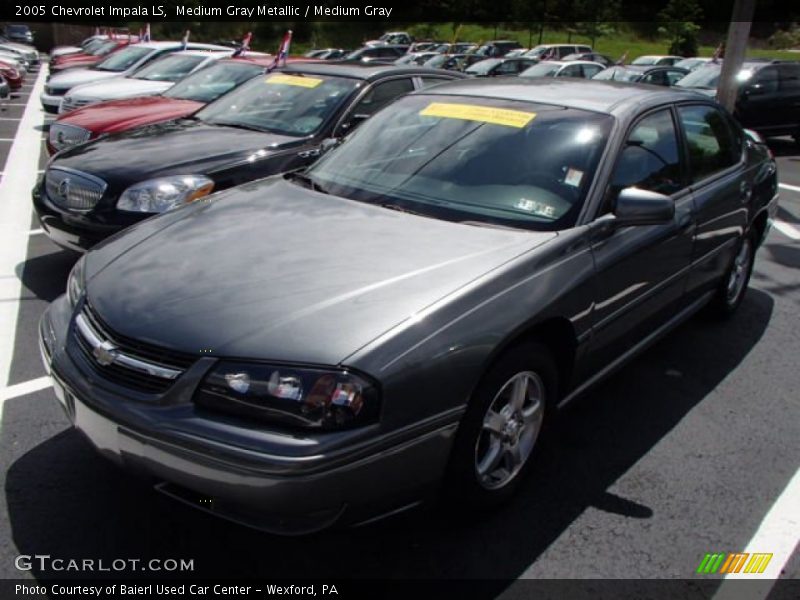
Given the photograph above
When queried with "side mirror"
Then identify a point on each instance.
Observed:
(635, 206)
(353, 122)
(329, 144)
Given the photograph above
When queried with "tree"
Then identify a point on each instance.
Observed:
(679, 25)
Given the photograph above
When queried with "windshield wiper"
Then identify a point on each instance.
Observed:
(310, 183)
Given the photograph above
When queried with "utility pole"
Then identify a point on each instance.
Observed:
(735, 48)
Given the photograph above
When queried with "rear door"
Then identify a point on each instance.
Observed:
(789, 74)
(715, 152)
(759, 100)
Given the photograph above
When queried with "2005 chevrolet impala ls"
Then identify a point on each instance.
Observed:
(330, 346)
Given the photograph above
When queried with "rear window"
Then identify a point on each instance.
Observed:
(212, 82)
(124, 59)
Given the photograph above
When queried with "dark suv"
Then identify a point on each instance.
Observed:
(768, 99)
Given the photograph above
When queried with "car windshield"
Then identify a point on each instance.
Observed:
(475, 160)
(12, 28)
(210, 83)
(483, 67)
(543, 69)
(92, 45)
(103, 48)
(705, 78)
(537, 51)
(618, 74)
(645, 60)
(169, 68)
(436, 61)
(124, 59)
(292, 104)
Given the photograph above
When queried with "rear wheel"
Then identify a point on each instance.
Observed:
(733, 287)
(502, 426)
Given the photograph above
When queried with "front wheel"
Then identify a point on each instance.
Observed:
(500, 430)
(733, 287)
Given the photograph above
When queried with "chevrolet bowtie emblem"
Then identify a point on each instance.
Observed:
(105, 353)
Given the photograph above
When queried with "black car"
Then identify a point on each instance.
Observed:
(376, 54)
(17, 32)
(666, 76)
(274, 123)
(452, 62)
(768, 96)
(500, 67)
(406, 317)
(497, 48)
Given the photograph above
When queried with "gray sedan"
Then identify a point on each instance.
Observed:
(333, 346)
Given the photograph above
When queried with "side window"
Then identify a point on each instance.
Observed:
(583, 49)
(507, 68)
(570, 71)
(655, 78)
(712, 146)
(590, 71)
(790, 77)
(766, 80)
(674, 77)
(380, 95)
(649, 159)
(429, 81)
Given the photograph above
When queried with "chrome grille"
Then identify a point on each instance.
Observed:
(73, 190)
(125, 361)
(68, 104)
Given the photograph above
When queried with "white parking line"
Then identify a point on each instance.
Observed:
(778, 535)
(792, 188)
(15, 221)
(786, 229)
(26, 387)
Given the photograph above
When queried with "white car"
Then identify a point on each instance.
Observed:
(28, 53)
(117, 64)
(152, 79)
(584, 69)
(656, 59)
(15, 60)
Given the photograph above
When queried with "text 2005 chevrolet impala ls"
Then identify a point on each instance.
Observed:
(331, 346)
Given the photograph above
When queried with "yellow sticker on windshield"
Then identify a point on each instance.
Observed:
(306, 82)
(482, 114)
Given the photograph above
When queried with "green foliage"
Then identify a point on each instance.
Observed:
(785, 39)
(679, 26)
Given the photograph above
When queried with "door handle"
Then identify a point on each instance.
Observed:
(314, 152)
(745, 192)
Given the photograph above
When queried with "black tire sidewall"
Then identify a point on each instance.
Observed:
(461, 482)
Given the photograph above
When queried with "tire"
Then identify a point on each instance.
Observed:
(499, 432)
(733, 287)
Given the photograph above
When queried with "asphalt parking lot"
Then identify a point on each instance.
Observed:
(692, 448)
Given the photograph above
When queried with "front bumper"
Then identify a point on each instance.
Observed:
(293, 484)
(78, 231)
(51, 103)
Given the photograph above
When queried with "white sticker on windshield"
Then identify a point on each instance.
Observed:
(573, 177)
(535, 207)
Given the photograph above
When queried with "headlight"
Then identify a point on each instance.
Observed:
(304, 397)
(160, 195)
(62, 135)
(76, 282)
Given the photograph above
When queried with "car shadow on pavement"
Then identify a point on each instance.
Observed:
(65, 501)
(46, 275)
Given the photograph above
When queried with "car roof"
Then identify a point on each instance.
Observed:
(171, 44)
(365, 71)
(203, 53)
(586, 94)
(267, 60)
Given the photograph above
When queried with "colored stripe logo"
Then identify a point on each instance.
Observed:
(727, 563)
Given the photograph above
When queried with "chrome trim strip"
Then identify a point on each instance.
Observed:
(124, 360)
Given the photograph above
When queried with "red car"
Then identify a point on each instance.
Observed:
(181, 100)
(12, 76)
(87, 60)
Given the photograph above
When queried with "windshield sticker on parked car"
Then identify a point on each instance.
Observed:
(573, 177)
(535, 207)
(482, 114)
(306, 82)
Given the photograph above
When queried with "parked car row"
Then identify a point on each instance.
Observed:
(378, 273)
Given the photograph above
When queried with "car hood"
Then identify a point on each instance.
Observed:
(119, 87)
(177, 147)
(120, 115)
(72, 77)
(272, 270)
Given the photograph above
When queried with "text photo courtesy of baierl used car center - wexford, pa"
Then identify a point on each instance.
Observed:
(464, 299)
